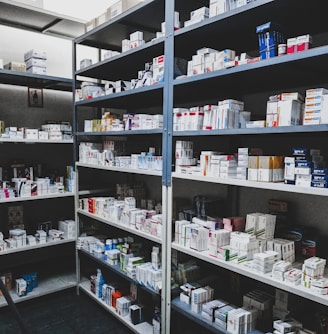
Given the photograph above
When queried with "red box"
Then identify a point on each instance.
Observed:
(304, 42)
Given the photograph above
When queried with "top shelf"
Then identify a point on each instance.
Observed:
(146, 16)
(22, 16)
(35, 80)
(222, 32)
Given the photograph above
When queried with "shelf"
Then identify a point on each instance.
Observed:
(45, 287)
(185, 309)
(253, 131)
(121, 133)
(121, 169)
(34, 141)
(244, 270)
(19, 15)
(93, 191)
(278, 186)
(146, 16)
(34, 80)
(142, 328)
(127, 62)
(35, 198)
(119, 271)
(121, 226)
(303, 68)
(221, 32)
(37, 246)
(149, 96)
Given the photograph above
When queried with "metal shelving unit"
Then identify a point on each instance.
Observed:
(45, 287)
(143, 327)
(147, 17)
(35, 80)
(121, 226)
(60, 281)
(236, 30)
(36, 198)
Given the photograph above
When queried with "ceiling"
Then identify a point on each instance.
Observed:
(19, 15)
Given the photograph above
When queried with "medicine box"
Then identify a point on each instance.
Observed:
(15, 66)
(37, 70)
(32, 134)
(90, 25)
(102, 18)
(7, 281)
(21, 287)
(120, 6)
(35, 54)
(68, 227)
(289, 112)
(36, 62)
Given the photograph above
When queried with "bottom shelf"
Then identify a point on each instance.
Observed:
(143, 328)
(50, 285)
(185, 310)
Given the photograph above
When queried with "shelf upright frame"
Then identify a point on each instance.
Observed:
(75, 159)
(74, 86)
(167, 163)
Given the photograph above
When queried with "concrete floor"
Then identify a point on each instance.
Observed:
(61, 313)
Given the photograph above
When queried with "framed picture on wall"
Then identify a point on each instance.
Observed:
(35, 97)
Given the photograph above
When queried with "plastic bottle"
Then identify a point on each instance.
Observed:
(99, 283)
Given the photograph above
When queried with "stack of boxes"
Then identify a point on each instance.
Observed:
(136, 40)
(36, 61)
(316, 106)
(265, 168)
(121, 6)
(199, 296)
(209, 60)
(221, 316)
(209, 308)
(285, 248)
(261, 225)
(241, 320)
(244, 244)
(319, 178)
(17, 238)
(306, 168)
(56, 131)
(184, 154)
(218, 7)
(284, 109)
(68, 227)
(217, 240)
(115, 9)
(280, 268)
(242, 163)
(228, 113)
(313, 270)
(293, 276)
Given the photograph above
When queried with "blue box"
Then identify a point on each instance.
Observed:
(320, 171)
(269, 38)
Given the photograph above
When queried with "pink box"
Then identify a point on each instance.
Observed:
(291, 45)
(304, 42)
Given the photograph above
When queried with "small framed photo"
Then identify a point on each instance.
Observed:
(35, 97)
